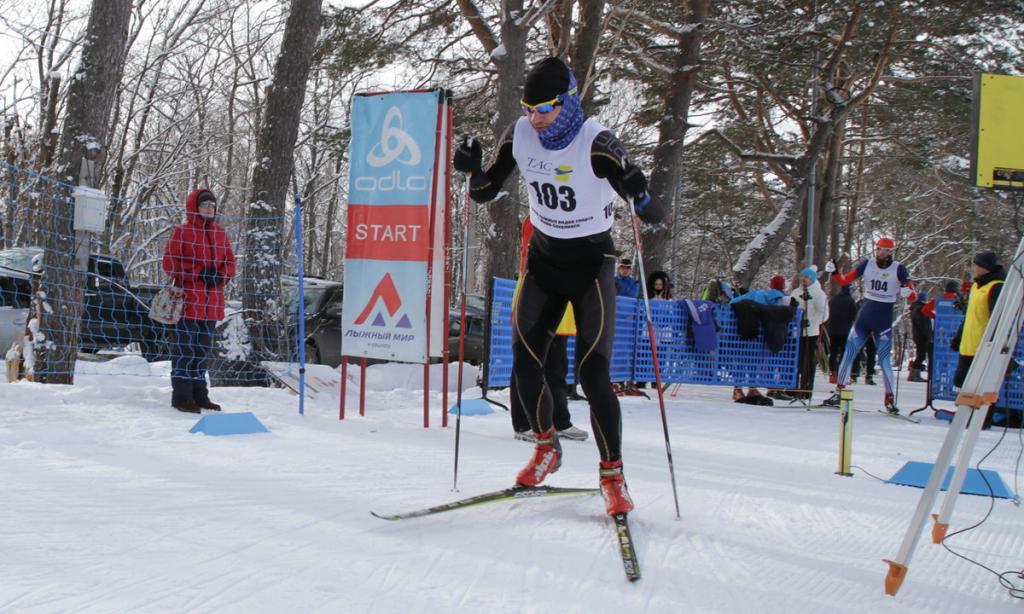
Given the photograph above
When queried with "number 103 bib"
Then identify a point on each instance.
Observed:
(566, 199)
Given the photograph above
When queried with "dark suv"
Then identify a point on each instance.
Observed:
(115, 314)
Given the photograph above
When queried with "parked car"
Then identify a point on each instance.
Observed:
(476, 320)
(115, 314)
(323, 321)
(15, 299)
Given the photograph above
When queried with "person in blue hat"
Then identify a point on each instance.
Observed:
(921, 331)
(812, 300)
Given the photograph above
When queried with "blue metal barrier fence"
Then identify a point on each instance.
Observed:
(947, 321)
(736, 362)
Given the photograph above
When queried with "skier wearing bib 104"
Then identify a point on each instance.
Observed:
(885, 280)
(573, 167)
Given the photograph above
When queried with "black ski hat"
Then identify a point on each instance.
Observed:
(206, 197)
(987, 260)
(952, 286)
(545, 81)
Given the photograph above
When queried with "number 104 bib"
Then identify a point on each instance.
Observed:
(880, 284)
(566, 199)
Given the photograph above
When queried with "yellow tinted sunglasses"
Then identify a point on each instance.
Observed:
(546, 106)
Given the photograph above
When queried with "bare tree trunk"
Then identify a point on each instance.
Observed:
(858, 190)
(48, 138)
(827, 232)
(584, 49)
(668, 153)
(327, 255)
(90, 97)
(500, 250)
(275, 161)
(500, 246)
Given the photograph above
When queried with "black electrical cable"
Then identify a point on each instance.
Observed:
(1004, 578)
(868, 472)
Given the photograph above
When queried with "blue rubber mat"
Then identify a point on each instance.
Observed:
(241, 423)
(473, 407)
(916, 474)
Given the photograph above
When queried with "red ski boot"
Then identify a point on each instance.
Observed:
(547, 458)
(890, 404)
(613, 487)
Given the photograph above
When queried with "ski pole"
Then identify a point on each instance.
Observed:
(902, 337)
(654, 357)
(462, 336)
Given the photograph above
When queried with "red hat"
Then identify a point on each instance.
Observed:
(885, 243)
(778, 283)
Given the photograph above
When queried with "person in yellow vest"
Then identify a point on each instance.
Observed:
(556, 367)
(989, 276)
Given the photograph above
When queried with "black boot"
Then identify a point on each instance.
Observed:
(202, 395)
(188, 407)
(181, 396)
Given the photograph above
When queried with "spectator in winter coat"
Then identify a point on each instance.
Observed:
(921, 331)
(811, 298)
(842, 310)
(951, 293)
(989, 277)
(658, 285)
(198, 259)
(777, 282)
(625, 283)
(717, 291)
(574, 168)
(866, 358)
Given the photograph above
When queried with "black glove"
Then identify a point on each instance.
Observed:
(633, 181)
(468, 156)
(210, 276)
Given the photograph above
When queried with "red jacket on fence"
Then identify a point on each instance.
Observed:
(193, 245)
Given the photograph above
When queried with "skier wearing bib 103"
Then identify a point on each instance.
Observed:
(573, 168)
(885, 280)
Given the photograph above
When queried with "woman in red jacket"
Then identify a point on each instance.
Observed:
(199, 260)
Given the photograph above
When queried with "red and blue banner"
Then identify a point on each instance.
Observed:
(393, 214)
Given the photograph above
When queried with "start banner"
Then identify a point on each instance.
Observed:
(395, 209)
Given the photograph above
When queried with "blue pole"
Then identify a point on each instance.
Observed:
(300, 308)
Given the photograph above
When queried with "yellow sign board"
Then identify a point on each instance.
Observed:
(997, 155)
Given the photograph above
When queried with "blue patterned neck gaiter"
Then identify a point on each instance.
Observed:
(564, 129)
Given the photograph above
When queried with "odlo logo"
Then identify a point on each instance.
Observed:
(395, 145)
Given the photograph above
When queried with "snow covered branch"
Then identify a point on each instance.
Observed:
(477, 24)
(678, 33)
(749, 155)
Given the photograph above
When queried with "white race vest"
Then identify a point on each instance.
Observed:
(566, 199)
(881, 285)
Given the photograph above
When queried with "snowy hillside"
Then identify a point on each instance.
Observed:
(108, 504)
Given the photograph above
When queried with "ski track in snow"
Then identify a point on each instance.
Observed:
(110, 505)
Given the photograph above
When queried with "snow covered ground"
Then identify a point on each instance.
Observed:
(108, 504)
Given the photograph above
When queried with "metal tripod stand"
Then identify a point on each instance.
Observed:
(979, 392)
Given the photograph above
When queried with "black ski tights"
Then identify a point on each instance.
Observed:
(547, 287)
